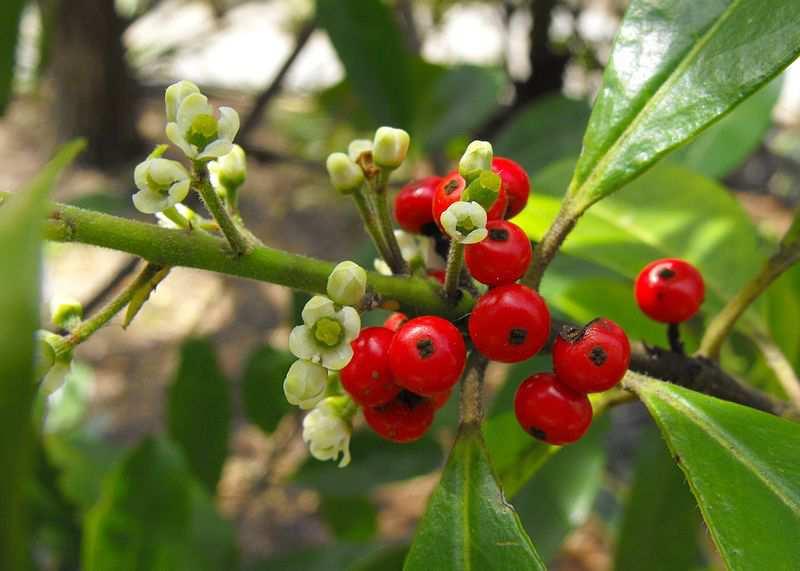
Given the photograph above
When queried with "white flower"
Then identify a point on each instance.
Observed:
(477, 158)
(162, 183)
(65, 312)
(347, 283)
(465, 222)
(305, 384)
(346, 176)
(326, 334)
(390, 147)
(357, 147)
(326, 433)
(229, 171)
(381, 267)
(409, 246)
(192, 125)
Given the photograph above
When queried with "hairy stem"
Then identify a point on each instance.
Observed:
(395, 261)
(202, 185)
(471, 404)
(548, 247)
(371, 225)
(83, 331)
(452, 278)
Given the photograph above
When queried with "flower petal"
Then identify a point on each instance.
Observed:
(317, 307)
(302, 345)
(150, 201)
(477, 235)
(216, 149)
(140, 175)
(175, 135)
(228, 123)
(175, 94)
(179, 190)
(192, 106)
(351, 322)
(337, 358)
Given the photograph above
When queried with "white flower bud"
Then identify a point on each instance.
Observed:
(477, 158)
(346, 176)
(347, 283)
(326, 433)
(162, 183)
(229, 171)
(358, 147)
(390, 147)
(465, 222)
(65, 312)
(305, 384)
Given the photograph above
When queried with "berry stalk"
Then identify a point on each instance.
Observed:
(452, 278)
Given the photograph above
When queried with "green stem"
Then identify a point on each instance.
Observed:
(202, 185)
(83, 331)
(395, 261)
(471, 403)
(371, 225)
(179, 219)
(548, 247)
(173, 247)
(452, 277)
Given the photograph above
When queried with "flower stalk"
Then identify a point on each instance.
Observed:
(201, 183)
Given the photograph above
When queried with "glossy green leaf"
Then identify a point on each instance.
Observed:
(375, 462)
(661, 521)
(468, 523)
(560, 496)
(677, 66)
(742, 466)
(10, 17)
(668, 212)
(350, 518)
(200, 391)
(382, 78)
(543, 132)
(21, 220)
(727, 143)
(262, 387)
(142, 520)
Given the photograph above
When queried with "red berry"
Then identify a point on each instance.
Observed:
(509, 323)
(669, 290)
(413, 206)
(427, 355)
(516, 183)
(405, 419)
(367, 376)
(440, 399)
(502, 257)
(395, 321)
(551, 411)
(449, 191)
(438, 275)
(592, 359)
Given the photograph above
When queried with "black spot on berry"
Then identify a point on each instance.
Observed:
(411, 400)
(598, 355)
(517, 336)
(666, 274)
(537, 433)
(450, 187)
(425, 348)
(498, 234)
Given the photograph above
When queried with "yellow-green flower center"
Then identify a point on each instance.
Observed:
(328, 331)
(202, 131)
(465, 225)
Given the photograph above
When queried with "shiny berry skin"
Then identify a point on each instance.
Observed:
(440, 399)
(449, 190)
(413, 206)
(367, 377)
(516, 182)
(551, 411)
(502, 257)
(405, 419)
(395, 321)
(669, 290)
(591, 359)
(509, 323)
(427, 355)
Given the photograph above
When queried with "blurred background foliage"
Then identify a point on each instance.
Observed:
(171, 445)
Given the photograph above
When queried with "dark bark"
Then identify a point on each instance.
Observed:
(94, 91)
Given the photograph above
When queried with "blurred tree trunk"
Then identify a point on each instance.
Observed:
(95, 93)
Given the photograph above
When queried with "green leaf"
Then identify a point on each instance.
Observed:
(726, 144)
(382, 78)
(142, 520)
(468, 524)
(545, 131)
(262, 387)
(657, 216)
(350, 518)
(339, 556)
(10, 16)
(677, 66)
(200, 391)
(742, 466)
(560, 496)
(661, 521)
(21, 220)
(212, 539)
(375, 462)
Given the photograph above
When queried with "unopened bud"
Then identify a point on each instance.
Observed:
(65, 312)
(305, 384)
(347, 283)
(390, 147)
(477, 158)
(346, 176)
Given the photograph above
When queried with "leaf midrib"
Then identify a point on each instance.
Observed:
(660, 93)
(737, 450)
